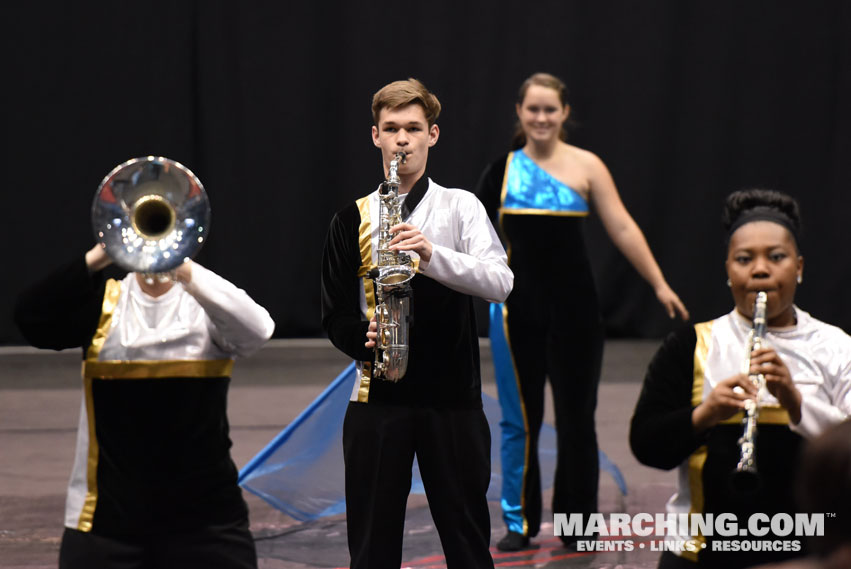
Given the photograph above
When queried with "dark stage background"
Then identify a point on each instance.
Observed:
(269, 104)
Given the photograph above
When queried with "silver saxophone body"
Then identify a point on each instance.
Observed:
(746, 477)
(392, 281)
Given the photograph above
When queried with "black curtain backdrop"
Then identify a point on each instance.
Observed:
(269, 104)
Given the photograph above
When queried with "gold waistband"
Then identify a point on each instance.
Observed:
(767, 415)
(148, 369)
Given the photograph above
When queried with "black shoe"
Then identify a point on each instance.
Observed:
(513, 541)
(568, 542)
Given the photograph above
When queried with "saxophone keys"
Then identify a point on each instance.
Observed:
(382, 314)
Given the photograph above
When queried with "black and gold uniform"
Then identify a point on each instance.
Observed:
(687, 367)
(435, 410)
(153, 481)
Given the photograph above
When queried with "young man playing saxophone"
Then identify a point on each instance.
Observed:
(435, 410)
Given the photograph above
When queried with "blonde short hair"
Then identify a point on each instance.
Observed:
(403, 93)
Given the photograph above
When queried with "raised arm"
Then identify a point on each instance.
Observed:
(625, 233)
(62, 309)
(240, 325)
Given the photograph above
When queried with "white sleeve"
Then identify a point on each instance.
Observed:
(819, 413)
(477, 265)
(240, 326)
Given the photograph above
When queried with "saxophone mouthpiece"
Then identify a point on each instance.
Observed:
(402, 157)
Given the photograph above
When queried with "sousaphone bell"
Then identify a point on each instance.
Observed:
(151, 214)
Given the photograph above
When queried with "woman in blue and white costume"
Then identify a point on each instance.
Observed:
(550, 326)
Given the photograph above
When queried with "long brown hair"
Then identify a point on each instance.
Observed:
(542, 80)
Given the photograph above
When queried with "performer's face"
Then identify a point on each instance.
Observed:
(155, 287)
(405, 130)
(762, 255)
(541, 114)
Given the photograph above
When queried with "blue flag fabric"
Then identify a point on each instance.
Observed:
(300, 471)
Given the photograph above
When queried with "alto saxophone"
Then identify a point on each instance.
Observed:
(392, 281)
(746, 477)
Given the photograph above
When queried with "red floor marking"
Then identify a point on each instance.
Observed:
(534, 558)
(545, 561)
(534, 553)
(529, 551)
(424, 560)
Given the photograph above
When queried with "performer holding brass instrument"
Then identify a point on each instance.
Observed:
(153, 484)
(430, 407)
(392, 279)
(735, 435)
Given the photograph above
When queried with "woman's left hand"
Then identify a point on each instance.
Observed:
(778, 380)
(672, 303)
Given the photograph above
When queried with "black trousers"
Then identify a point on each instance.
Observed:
(549, 345)
(223, 547)
(452, 447)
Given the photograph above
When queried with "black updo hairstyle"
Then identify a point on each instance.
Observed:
(745, 206)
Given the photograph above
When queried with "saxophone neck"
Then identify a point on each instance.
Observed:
(393, 181)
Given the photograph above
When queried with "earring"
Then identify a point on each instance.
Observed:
(729, 283)
(800, 279)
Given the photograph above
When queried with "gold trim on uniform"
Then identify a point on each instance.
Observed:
(365, 241)
(703, 331)
(87, 514)
(111, 294)
(365, 380)
(532, 211)
(366, 265)
(768, 415)
(504, 189)
(773, 415)
(150, 369)
(697, 459)
(139, 369)
(502, 194)
(110, 301)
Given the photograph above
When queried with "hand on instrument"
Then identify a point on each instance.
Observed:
(97, 259)
(724, 401)
(778, 380)
(409, 238)
(672, 303)
(183, 273)
(371, 333)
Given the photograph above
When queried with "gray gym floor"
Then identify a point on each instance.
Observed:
(39, 406)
